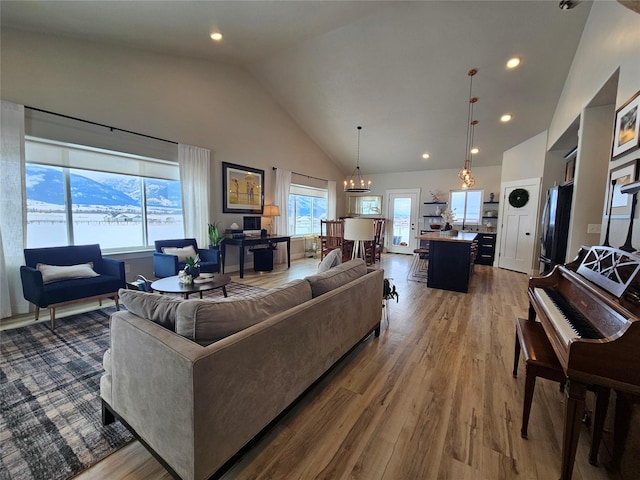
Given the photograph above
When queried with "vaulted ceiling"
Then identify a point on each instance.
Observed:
(398, 68)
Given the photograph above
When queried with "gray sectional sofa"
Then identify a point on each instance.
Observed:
(197, 380)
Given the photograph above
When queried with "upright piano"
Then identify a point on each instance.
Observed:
(590, 310)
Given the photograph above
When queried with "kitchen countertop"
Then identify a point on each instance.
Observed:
(467, 237)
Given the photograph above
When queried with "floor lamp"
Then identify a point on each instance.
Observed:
(359, 230)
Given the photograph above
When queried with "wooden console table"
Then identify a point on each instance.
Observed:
(252, 242)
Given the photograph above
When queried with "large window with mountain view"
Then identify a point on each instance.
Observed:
(120, 201)
(307, 206)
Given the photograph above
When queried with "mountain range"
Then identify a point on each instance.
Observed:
(45, 184)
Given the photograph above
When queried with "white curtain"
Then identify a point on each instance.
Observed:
(281, 198)
(195, 183)
(12, 210)
(331, 199)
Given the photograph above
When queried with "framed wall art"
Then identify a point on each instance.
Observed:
(242, 189)
(626, 136)
(619, 204)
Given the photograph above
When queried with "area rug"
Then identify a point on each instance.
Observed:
(50, 423)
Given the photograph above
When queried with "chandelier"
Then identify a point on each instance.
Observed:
(465, 173)
(356, 183)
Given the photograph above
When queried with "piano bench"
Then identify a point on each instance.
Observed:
(540, 359)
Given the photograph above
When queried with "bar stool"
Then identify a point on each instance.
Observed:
(541, 361)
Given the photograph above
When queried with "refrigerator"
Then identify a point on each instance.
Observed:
(554, 229)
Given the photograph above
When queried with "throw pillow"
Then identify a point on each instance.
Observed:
(181, 252)
(160, 309)
(207, 321)
(333, 259)
(53, 273)
(337, 276)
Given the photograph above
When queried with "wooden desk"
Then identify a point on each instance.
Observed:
(251, 242)
(450, 260)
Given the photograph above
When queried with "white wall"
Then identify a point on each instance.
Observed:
(609, 48)
(440, 182)
(212, 105)
(525, 160)
(610, 40)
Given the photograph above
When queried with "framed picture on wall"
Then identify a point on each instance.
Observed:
(242, 189)
(619, 204)
(626, 136)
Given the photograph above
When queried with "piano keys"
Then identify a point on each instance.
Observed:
(589, 309)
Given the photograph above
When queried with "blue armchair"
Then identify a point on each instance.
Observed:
(169, 264)
(69, 286)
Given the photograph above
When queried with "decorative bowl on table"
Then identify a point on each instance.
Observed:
(435, 226)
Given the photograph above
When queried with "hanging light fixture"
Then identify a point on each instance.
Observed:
(465, 173)
(356, 183)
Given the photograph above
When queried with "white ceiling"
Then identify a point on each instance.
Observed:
(397, 68)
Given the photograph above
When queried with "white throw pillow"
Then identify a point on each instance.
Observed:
(333, 259)
(181, 252)
(53, 273)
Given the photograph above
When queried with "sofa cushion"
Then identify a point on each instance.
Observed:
(333, 259)
(207, 321)
(53, 273)
(337, 276)
(160, 309)
(181, 252)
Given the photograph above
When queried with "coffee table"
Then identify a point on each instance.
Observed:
(172, 285)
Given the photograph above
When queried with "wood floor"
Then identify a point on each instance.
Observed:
(432, 398)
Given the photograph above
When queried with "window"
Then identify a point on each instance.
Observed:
(77, 195)
(466, 206)
(307, 206)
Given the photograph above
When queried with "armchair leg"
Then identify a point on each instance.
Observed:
(37, 313)
(52, 314)
(116, 299)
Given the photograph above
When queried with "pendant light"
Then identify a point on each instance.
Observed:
(465, 173)
(356, 183)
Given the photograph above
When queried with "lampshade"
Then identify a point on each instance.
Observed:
(271, 211)
(358, 229)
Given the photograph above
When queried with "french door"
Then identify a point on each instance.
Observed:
(402, 214)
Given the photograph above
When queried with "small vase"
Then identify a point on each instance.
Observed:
(194, 272)
(447, 226)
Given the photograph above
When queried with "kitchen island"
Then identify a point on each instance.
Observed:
(451, 259)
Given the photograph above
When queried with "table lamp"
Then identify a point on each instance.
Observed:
(271, 211)
(359, 230)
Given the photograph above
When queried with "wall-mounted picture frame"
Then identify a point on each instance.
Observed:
(626, 136)
(619, 204)
(242, 189)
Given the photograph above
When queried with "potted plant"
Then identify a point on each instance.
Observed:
(215, 239)
(192, 267)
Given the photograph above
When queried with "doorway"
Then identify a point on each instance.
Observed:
(519, 217)
(402, 212)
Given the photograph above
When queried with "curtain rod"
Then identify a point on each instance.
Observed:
(304, 175)
(101, 125)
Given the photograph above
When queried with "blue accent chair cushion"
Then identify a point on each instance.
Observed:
(167, 265)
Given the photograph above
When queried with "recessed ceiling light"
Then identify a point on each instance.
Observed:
(505, 118)
(425, 155)
(216, 36)
(475, 150)
(513, 62)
